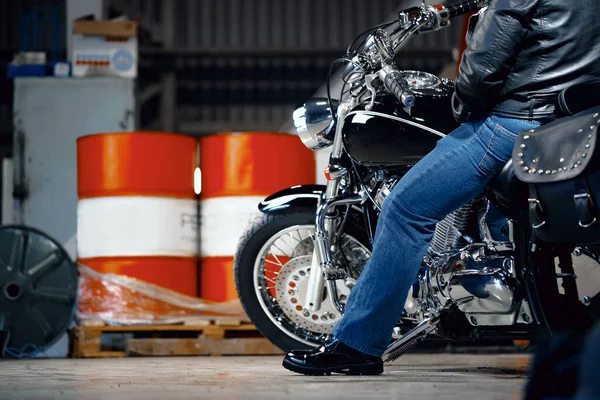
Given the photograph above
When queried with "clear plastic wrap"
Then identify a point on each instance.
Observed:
(122, 300)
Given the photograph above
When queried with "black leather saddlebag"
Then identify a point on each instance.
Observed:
(560, 163)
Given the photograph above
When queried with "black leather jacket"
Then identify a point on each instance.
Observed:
(522, 53)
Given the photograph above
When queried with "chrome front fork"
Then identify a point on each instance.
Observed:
(325, 227)
(321, 262)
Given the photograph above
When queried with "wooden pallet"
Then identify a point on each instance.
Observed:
(215, 337)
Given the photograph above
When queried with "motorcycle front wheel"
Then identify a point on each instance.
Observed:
(272, 268)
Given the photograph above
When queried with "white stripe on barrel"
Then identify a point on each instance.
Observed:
(137, 226)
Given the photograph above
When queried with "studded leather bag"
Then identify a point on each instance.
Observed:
(561, 166)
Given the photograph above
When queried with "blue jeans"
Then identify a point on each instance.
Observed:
(455, 172)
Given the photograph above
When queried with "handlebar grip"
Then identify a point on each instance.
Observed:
(456, 10)
(396, 85)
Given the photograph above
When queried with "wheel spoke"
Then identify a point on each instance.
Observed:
(291, 234)
(273, 262)
(295, 252)
(270, 280)
(300, 241)
(271, 271)
(284, 253)
(277, 259)
(265, 285)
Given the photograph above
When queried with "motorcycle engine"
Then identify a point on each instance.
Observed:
(384, 191)
(450, 232)
(461, 270)
(464, 273)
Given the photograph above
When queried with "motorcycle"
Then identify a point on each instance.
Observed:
(298, 262)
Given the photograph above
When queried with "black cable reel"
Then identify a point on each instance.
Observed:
(38, 291)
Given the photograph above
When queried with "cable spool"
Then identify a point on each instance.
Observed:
(137, 210)
(38, 291)
(238, 171)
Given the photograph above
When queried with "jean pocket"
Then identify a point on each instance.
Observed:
(500, 147)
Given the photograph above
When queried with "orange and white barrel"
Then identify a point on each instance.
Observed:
(238, 171)
(137, 209)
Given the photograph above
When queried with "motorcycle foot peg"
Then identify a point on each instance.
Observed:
(333, 274)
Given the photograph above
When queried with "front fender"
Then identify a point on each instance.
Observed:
(303, 196)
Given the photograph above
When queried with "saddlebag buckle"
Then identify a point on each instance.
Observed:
(585, 207)
(536, 212)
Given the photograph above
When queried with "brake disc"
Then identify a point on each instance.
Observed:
(291, 288)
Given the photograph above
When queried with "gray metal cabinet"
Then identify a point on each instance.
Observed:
(49, 115)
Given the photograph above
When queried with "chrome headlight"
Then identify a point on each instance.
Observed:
(314, 123)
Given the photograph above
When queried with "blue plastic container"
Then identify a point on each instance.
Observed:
(14, 71)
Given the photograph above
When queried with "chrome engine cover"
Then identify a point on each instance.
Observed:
(464, 273)
(498, 296)
(487, 296)
(459, 271)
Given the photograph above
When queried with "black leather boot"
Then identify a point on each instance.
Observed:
(336, 357)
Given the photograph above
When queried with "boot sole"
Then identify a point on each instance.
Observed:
(350, 369)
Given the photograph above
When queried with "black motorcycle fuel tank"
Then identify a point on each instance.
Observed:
(389, 135)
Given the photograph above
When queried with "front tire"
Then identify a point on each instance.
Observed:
(258, 294)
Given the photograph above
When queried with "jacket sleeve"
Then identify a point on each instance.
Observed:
(491, 50)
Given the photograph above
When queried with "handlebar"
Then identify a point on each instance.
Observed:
(421, 19)
(375, 59)
(395, 84)
(456, 10)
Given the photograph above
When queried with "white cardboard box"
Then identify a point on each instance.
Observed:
(105, 48)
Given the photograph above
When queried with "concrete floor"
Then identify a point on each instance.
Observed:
(414, 376)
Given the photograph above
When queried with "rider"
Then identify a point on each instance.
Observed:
(520, 55)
